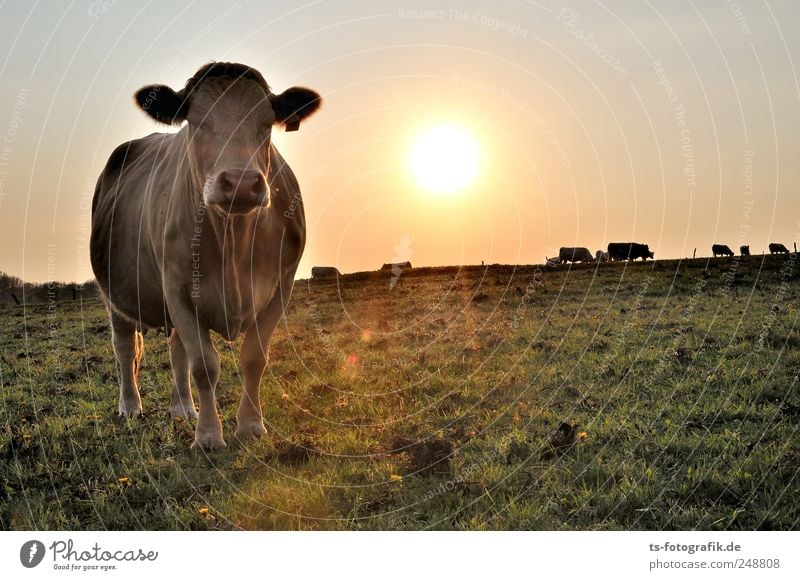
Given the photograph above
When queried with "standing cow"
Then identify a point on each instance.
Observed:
(201, 230)
(778, 249)
(574, 255)
(629, 251)
(721, 250)
(600, 256)
(744, 250)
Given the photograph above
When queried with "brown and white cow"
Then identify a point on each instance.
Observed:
(201, 230)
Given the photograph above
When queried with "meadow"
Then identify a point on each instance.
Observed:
(657, 395)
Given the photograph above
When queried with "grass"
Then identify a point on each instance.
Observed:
(432, 406)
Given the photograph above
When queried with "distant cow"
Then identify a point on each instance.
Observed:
(629, 251)
(721, 250)
(324, 272)
(552, 262)
(600, 256)
(395, 266)
(744, 250)
(778, 249)
(574, 255)
(201, 229)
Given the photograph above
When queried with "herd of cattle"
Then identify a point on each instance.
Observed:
(615, 252)
(723, 250)
(618, 251)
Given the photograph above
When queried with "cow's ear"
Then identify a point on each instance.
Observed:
(293, 105)
(162, 104)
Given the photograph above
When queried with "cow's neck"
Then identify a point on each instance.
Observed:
(234, 237)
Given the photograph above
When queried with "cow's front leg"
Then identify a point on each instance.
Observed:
(128, 349)
(253, 360)
(204, 364)
(204, 367)
(181, 404)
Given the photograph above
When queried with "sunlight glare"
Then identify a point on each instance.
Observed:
(444, 159)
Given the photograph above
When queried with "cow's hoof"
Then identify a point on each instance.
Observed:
(184, 412)
(130, 409)
(209, 441)
(248, 429)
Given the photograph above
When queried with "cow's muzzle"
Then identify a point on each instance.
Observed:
(238, 192)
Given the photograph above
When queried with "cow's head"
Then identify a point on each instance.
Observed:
(230, 111)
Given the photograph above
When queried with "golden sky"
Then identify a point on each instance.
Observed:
(674, 124)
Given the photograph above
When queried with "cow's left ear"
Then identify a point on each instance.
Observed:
(293, 105)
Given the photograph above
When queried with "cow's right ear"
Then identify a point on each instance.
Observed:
(162, 104)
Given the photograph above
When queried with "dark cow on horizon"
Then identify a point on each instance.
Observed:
(574, 255)
(721, 250)
(325, 272)
(629, 251)
(778, 249)
(744, 250)
(201, 230)
(395, 266)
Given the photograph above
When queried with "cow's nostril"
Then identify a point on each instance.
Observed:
(259, 186)
(226, 184)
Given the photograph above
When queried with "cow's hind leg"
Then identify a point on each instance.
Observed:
(181, 404)
(128, 348)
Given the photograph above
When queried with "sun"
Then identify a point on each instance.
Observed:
(444, 159)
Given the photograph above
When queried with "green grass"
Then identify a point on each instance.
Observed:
(684, 379)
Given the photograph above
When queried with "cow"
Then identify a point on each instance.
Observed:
(629, 251)
(744, 250)
(324, 272)
(600, 256)
(552, 262)
(574, 255)
(396, 266)
(721, 250)
(201, 230)
(778, 249)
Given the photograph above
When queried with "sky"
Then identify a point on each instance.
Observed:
(669, 123)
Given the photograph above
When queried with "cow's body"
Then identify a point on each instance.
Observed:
(174, 243)
(778, 249)
(744, 250)
(601, 257)
(721, 250)
(574, 255)
(324, 272)
(629, 251)
(201, 230)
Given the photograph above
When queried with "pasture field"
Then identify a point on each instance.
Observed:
(433, 405)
